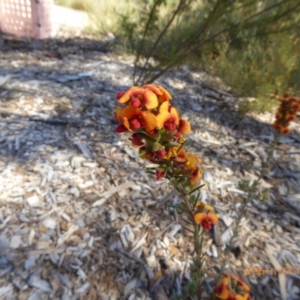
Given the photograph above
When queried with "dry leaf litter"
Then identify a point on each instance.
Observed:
(79, 216)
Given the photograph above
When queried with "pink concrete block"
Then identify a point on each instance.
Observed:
(27, 18)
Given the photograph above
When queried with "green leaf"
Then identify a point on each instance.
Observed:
(157, 146)
(142, 154)
(181, 146)
(196, 189)
(150, 172)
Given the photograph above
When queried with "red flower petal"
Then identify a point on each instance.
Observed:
(121, 128)
(136, 102)
(120, 94)
(160, 175)
(136, 141)
(184, 127)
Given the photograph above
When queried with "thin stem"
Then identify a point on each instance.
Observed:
(151, 15)
(206, 25)
(198, 246)
(160, 36)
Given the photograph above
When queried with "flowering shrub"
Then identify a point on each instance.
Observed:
(157, 129)
(286, 113)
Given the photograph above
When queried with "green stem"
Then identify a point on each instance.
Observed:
(198, 246)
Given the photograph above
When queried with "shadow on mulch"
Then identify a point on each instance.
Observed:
(87, 85)
(59, 46)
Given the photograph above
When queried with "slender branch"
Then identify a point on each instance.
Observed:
(202, 30)
(198, 245)
(189, 51)
(144, 33)
(161, 34)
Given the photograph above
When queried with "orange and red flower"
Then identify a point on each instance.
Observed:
(195, 176)
(168, 117)
(192, 161)
(286, 113)
(232, 288)
(202, 206)
(206, 219)
(161, 93)
(184, 126)
(132, 118)
(157, 130)
(149, 95)
(138, 96)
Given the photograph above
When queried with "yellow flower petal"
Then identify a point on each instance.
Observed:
(162, 118)
(171, 152)
(164, 107)
(126, 123)
(240, 297)
(174, 115)
(118, 114)
(150, 121)
(205, 205)
(181, 156)
(125, 98)
(184, 126)
(155, 89)
(225, 280)
(240, 282)
(213, 218)
(150, 99)
(192, 162)
(225, 293)
(196, 176)
(208, 207)
(199, 218)
(165, 96)
(131, 111)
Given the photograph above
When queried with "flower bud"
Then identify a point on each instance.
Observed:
(160, 174)
(136, 141)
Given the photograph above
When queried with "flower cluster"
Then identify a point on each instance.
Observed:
(158, 130)
(232, 288)
(286, 113)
